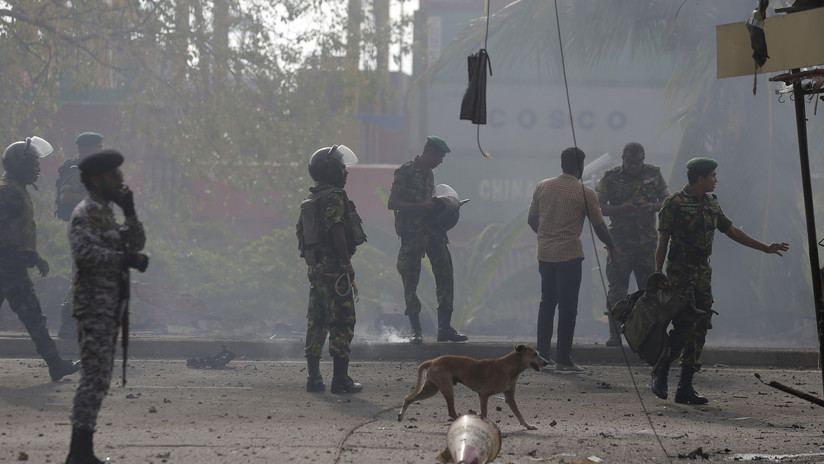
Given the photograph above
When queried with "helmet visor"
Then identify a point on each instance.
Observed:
(347, 156)
(443, 190)
(38, 147)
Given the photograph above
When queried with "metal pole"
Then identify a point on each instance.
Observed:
(812, 243)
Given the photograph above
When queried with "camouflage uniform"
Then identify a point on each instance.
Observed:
(18, 252)
(634, 233)
(101, 286)
(418, 237)
(68, 181)
(331, 302)
(691, 222)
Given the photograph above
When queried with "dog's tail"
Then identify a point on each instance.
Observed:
(422, 370)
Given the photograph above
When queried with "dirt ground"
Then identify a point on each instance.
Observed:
(258, 412)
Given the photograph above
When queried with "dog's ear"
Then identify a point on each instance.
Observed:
(520, 348)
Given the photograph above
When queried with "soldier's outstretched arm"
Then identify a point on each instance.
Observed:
(743, 238)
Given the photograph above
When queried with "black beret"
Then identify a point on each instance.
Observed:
(99, 162)
(88, 138)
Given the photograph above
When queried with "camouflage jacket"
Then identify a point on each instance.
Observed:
(98, 244)
(691, 221)
(18, 232)
(336, 208)
(413, 185)
(649, 187)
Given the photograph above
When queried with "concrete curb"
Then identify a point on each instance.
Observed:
(184, 348)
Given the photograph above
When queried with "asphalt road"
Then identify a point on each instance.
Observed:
(258, 412)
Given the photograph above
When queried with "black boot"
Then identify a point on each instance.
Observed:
(446, 333)
(659, 379)
(81, 449)
(685, 393)
(341, 382)
(417, 332)
(59, 367)
(314, 382)
(614, 334)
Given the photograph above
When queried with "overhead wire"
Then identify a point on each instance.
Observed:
(592, 233)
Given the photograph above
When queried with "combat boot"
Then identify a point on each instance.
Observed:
(446, 333)
(417, 333)
(685, 393)
(341, 382)
(59, 367)
(660, 379)
(314, 381)
(614, 335)
(81, 450)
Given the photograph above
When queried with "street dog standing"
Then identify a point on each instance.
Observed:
(486, 377)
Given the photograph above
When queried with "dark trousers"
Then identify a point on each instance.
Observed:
(560, 283)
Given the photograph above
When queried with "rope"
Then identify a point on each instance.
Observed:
(350, 286)
(592, 234)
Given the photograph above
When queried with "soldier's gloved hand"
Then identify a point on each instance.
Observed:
(126, 201)
(137, 261)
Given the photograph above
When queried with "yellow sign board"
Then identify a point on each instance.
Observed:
(794, 40)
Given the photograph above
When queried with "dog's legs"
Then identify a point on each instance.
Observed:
(484, 403)
(509, 397)
(449, 396)
(428, 390)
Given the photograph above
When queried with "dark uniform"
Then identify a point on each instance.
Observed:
(419, 235)
(18, 253)
(634, 233)
(691, 222)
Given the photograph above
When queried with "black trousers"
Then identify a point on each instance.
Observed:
(560, 283)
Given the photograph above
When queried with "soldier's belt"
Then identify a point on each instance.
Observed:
(695, 259)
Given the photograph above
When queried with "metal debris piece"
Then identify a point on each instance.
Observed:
(218, 361)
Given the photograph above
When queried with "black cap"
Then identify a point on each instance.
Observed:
(99, 162)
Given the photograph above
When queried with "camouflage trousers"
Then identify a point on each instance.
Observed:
(413, 248)
(331, 310)
(689, 332)
(628, 259)
(17, 288)
(97, 339)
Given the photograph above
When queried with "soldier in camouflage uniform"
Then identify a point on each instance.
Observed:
(630, 195)
(411, 200)
(103, 251)
(18, 248)
(69, 192)
(686, 225)
(329, 230)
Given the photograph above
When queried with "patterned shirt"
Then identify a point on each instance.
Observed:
(561, 206)
(98, 245)
(649, 187)
(414, 185)
(691, 221)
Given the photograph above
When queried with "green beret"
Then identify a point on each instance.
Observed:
(88, 138)
(100, 162)
(702, 164)
(433, 141)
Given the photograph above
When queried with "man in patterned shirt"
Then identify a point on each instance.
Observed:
(103, 251)
(686, 225)
(630, 194)
(556, 214)
(411, 200)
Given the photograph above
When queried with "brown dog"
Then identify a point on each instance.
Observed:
(486, 377)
